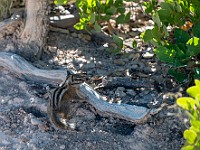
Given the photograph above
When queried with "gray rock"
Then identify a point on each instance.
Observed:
(131, 92)
(148, 55)
(120, 92)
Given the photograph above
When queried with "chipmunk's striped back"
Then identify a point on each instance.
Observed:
(56, 102)
(58, 94)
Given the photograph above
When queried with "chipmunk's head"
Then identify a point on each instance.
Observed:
(74, 79)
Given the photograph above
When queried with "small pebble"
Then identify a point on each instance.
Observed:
(131, 92)
(34, 120)
(5, 142)
(147, 55)
(74, 35)
(87, 37)
(62, 147)
(119, 62)
(52, 49)
(120, 92)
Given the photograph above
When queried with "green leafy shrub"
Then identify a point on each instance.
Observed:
(175, 35)
(192, 106)
(94, 12)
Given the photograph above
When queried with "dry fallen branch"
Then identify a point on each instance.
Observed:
(20, 67)
(127, 82)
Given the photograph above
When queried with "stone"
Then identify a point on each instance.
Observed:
(87, 37)
(119, 62)
(120, 92)
(74, 35)
(148, 55)
(131, 92)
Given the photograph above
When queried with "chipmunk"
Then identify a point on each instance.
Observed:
(62, 101)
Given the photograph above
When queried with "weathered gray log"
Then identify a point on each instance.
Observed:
(20, 67)
(133, 113)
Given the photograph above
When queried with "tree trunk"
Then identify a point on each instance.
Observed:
(33, 37)
(5, 6)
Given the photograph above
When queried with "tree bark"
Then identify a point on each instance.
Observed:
(34, 36)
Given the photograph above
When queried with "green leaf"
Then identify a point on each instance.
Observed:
(197, 82)
(79, 26)
(187, 147)
(120, 19)
(195, 125)
(118, 3)
(190, 135)
(164, 16)
(197, 72)
(92, 18)
(193, 46)
(148, 7)
(193, 91)
(186, 102)
(156, 20)
(165, 54)
(147, 35)
(134, 43)
(60, 2)
(179, 76)
(166, 6)
(106, 17)
(127, 17)
(121, 10)
(196, 29)
(181, 36)
(111, 11)
(118, 41)
(193, 41)
(97, 27)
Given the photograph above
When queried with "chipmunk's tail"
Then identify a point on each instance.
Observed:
(56, 121)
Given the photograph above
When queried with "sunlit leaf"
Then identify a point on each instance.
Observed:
(186, 102)
(193, 91)
(195, 125)
(79, 26)
(188, 147)
(197, 82)
(60, 2)
(190, 135)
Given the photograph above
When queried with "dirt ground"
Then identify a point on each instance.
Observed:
(24, 123)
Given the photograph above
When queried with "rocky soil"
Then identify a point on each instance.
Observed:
(24, 123)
